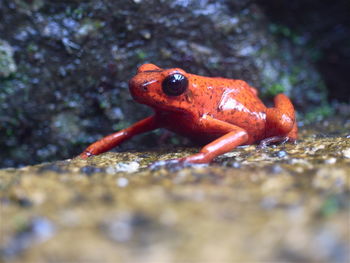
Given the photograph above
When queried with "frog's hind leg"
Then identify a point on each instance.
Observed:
(280, 120)
(255, 91)
(281, 125)
(293, 134)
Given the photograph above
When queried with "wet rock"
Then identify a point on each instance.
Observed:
(286, 208)
(27, 7)
(89, 170)
(7, 63)
(346, 153)
(137, 229)
(35, 231)
(122, 182)
(74, 60)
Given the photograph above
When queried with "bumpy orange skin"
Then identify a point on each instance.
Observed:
(222, 112)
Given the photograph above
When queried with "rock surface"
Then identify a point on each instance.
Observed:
(74, 59)
(285, 203)
(7, 63)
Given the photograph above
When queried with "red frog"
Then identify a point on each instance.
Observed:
(221, 113)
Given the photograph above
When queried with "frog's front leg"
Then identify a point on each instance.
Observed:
(280, 121)
(234, 137)
(113, 140)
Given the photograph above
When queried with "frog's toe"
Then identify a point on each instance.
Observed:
(275, 139)
(84, 155)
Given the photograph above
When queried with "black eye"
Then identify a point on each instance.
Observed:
(175, 84)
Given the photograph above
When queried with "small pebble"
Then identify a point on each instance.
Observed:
(346, 153)
(281, 154)
(276, 169)
(122, 182)
(146, 34)
(330, 160)
(236, 165)
(129, 167)
(89, 170)
(110, 170)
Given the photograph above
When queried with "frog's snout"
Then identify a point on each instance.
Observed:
(137, 85)
(133, 87)
(140, 87)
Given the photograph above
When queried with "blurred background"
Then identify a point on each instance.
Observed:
(65, 65)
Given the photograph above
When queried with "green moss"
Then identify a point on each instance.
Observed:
(284, 31)
(319, 113)
(75, 13)
(330, 206)
(121, 125)
(78, 13)
(274, 89)
(279, 29)
(27, 6)
(9, 132)
(32, 47)
(141, 55)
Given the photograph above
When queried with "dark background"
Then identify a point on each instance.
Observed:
(326, 26)
(64, 65)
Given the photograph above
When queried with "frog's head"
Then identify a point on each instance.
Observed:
(165, 89)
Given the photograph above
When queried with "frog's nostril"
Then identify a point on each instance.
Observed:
(145, 84)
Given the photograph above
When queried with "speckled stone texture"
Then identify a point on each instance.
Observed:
(286, 203)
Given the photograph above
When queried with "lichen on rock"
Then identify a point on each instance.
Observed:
(7, 62)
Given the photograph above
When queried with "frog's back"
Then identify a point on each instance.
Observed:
(235, 102)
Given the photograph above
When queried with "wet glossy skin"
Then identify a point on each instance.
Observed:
(222, 112)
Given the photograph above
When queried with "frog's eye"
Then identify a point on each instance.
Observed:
(175, 84)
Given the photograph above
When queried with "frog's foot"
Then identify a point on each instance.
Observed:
(275, 139)
(84, 155)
